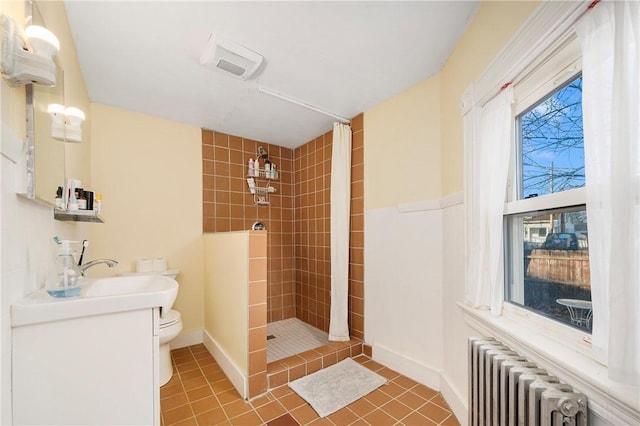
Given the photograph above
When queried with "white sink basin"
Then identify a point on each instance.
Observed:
(98, 296)
(132, 284)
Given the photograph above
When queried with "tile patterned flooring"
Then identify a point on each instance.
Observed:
(199, 393)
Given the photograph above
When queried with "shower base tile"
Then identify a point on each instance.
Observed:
(296, 349)
(292, 336)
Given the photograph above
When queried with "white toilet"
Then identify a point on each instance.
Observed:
(170, 327)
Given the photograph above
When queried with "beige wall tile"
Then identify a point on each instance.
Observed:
(257, 292)
(257, 339)
(257, 362)
(257, 269)
(257, 384)
(257, 315)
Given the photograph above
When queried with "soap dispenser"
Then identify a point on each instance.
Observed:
(66, 278)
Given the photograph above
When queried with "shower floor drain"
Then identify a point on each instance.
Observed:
(271, 336)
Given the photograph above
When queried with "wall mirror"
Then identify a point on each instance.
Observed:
(46, 155)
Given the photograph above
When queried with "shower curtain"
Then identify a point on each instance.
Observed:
(340, 209)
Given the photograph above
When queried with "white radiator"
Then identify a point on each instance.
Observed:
(507, 389)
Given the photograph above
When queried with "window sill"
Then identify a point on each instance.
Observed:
(564, 352)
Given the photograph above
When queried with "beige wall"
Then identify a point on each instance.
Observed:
(492, 27)
(225, 293)
(402, 147)
(149, 173)
(414, 139)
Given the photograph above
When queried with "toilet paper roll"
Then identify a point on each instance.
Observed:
(144, 265)
(159, 264)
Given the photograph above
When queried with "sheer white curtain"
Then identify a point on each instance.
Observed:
(610, 38)
(340, 209)
(488, 136)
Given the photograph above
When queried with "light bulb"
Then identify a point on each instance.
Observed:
(74, 115)
(43, 42)
(73, 129)
(56, 111)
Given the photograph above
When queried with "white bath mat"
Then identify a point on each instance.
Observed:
(335, 387)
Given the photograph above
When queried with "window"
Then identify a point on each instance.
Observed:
(551, 143)
(526, 73)
(546, 230)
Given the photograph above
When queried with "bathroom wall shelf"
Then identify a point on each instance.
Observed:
(263, 174)
(261, 194)
(261, 190)
(77, 216)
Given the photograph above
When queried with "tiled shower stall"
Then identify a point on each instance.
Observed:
(298, 232)
(297, 220)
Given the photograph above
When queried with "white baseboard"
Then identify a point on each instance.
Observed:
(411, 368)
(456, 401)
(183, 340)
(235, 375)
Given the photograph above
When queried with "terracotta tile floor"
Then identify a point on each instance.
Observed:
(199, 393)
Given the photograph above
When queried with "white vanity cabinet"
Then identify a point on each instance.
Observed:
(88, 370)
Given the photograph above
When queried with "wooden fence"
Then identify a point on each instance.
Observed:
(561, 266)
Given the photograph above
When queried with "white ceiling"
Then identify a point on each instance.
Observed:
(342, 57)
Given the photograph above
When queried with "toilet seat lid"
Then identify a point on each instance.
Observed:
(170, 318)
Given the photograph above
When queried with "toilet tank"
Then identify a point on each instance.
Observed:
(170, 273)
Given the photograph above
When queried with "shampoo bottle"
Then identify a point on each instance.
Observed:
(59, 199)
(81, 199)
(251, 168)
(66, 278)
(73, 200)
(267, 169)
(97, 202)
(89, 196)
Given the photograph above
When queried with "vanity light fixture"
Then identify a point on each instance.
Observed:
(73, 124)
(43, 42)
(27, 57)
(56, 111)
(66, 123)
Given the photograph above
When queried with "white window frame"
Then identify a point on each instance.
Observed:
(563, 350)
(561, 65)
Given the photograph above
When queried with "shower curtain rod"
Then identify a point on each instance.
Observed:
(302, 104)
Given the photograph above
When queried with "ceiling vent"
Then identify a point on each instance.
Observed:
(230, 57)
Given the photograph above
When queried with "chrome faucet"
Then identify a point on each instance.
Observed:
(109, 262)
